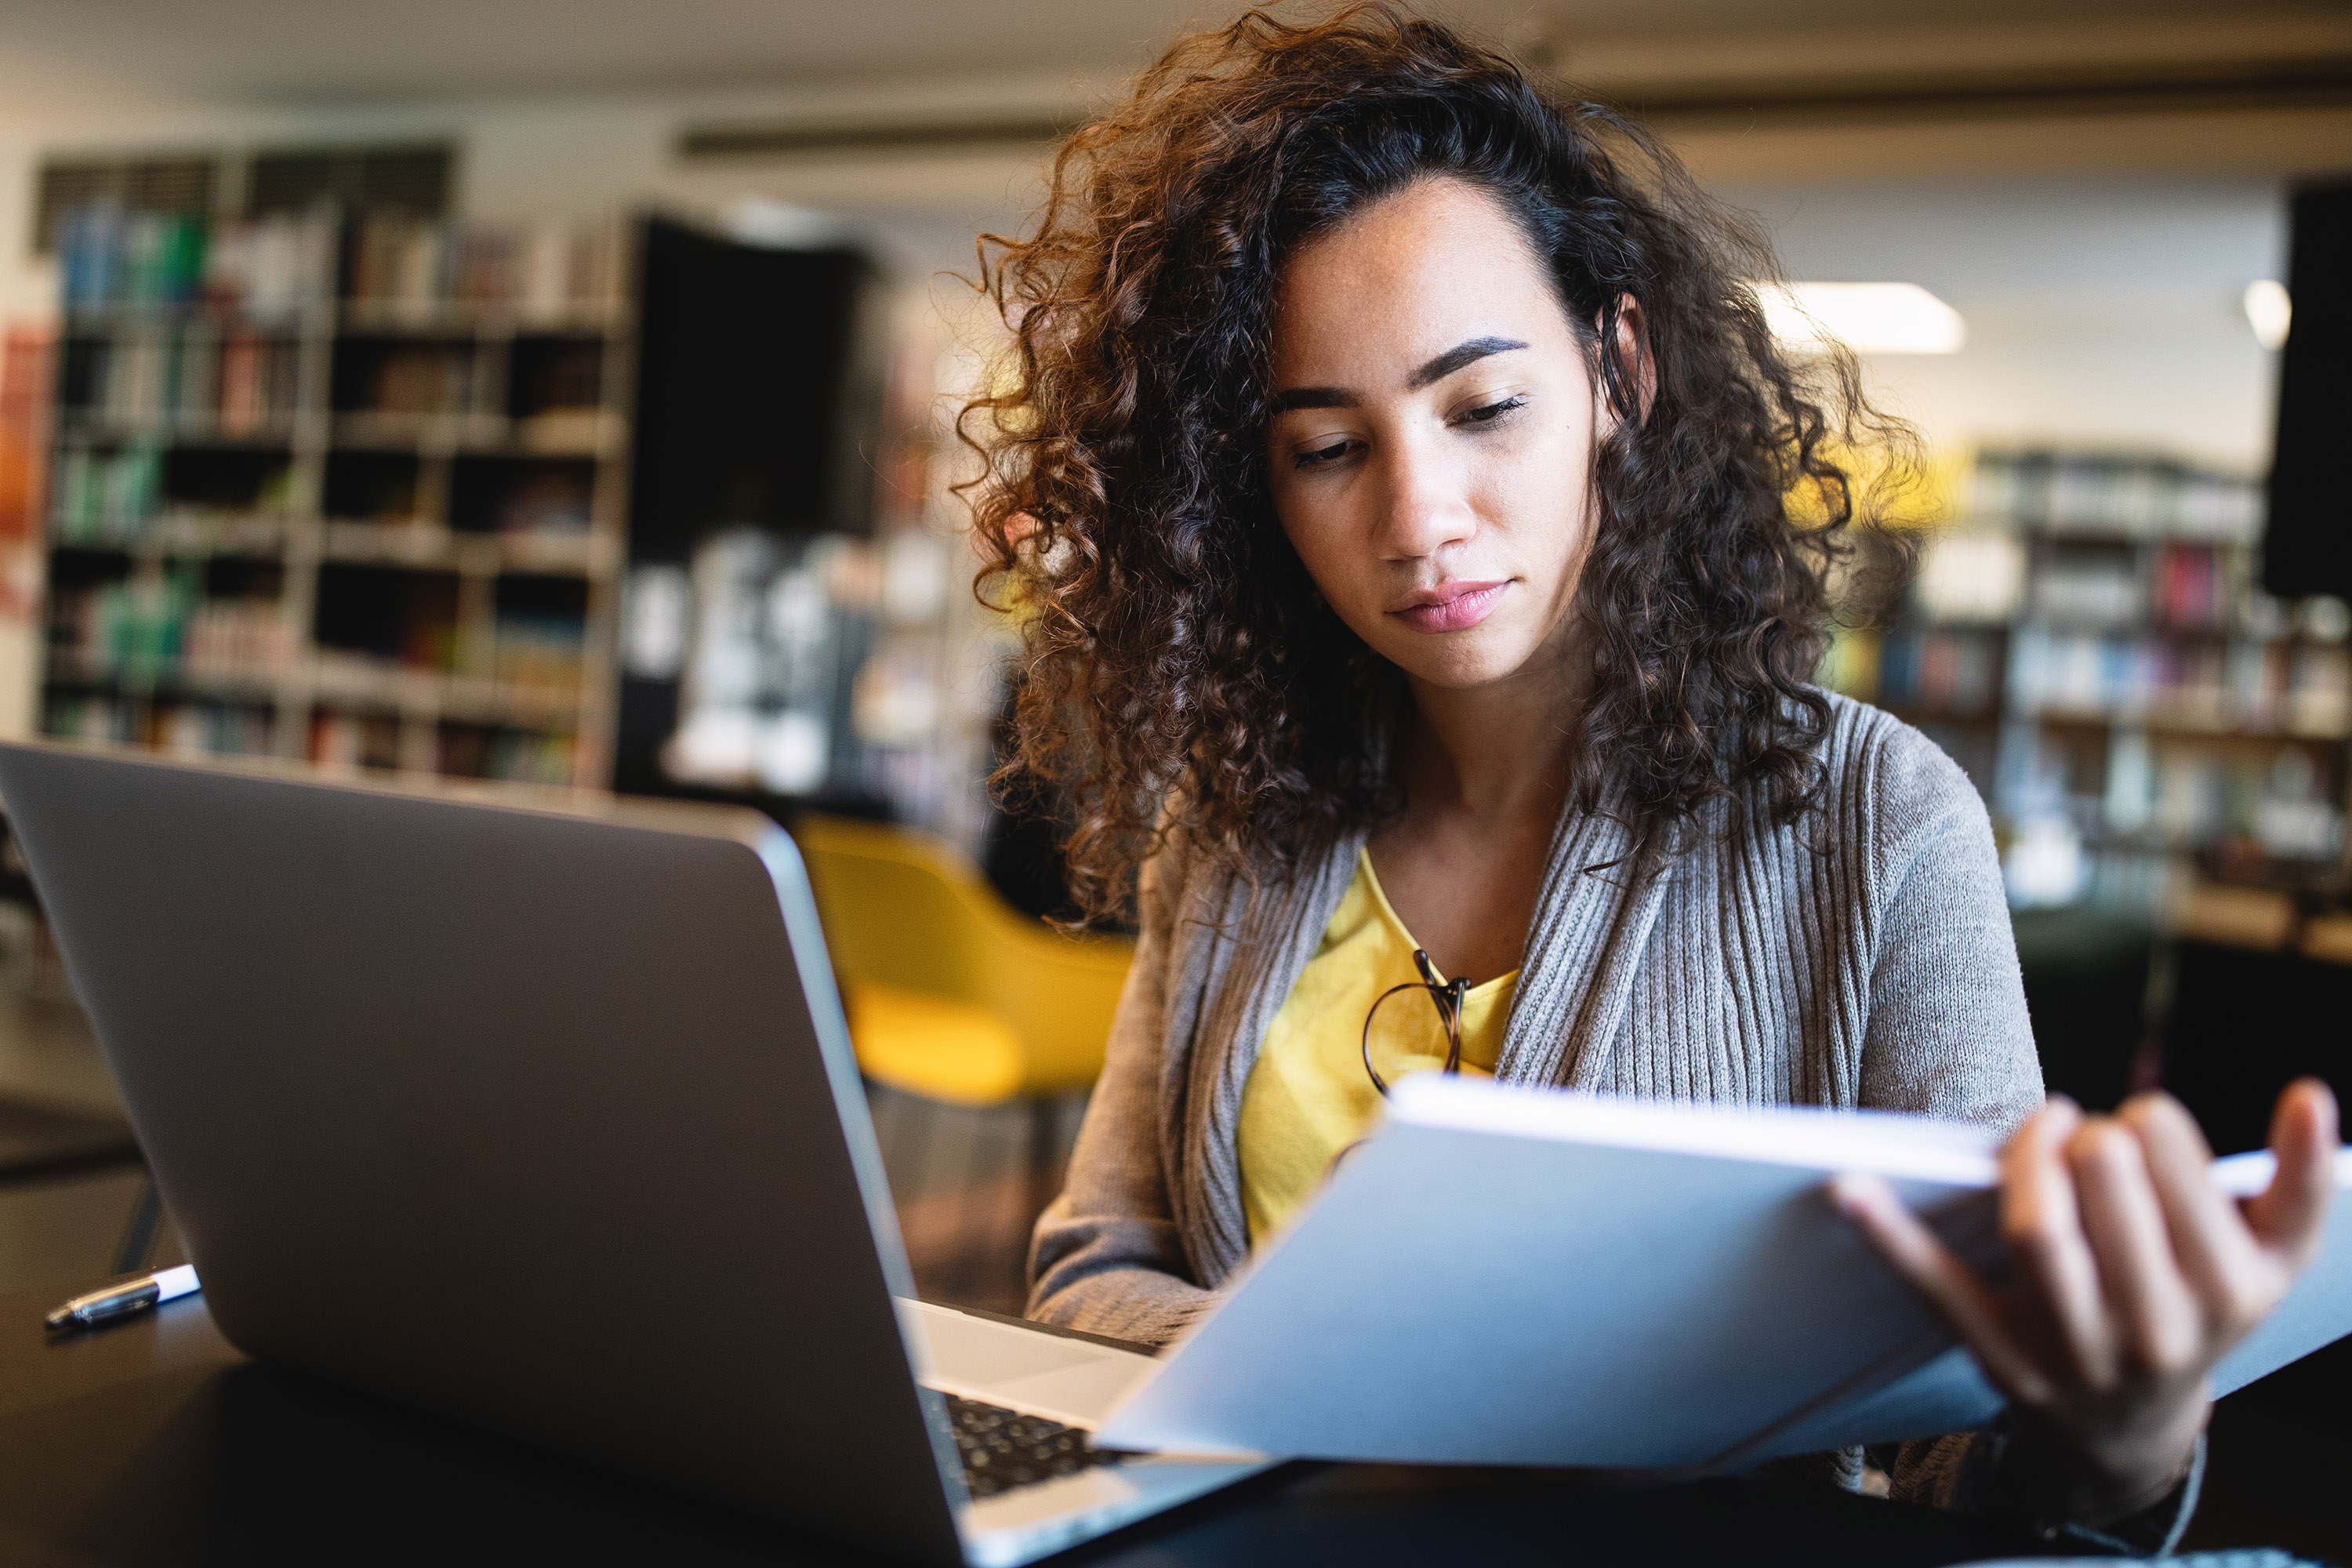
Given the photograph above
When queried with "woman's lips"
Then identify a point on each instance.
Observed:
(1450, 606)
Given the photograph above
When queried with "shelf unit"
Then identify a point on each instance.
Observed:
(2088, 639)
(357, 519)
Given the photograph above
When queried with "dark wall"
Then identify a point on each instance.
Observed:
(759, 403)
(759, 391)
(2245, 1025)
(2307, 548)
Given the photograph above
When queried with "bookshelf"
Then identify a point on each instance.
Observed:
(2089, 640)
(347, 490)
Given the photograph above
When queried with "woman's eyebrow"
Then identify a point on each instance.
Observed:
(1316, 397)
(1455, 358)
(1435, 371)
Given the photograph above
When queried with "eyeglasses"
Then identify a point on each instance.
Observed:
(1446, 995)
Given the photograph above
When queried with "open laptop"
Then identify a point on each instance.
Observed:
(546, 1120)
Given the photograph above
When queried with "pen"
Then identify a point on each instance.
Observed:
(126, 1299)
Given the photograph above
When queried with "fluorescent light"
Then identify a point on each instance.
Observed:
(2269, 311)
(1868, 317)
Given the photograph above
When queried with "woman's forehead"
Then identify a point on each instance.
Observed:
(1406, 278)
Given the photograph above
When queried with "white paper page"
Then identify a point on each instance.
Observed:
(2318, 1310)
(1538, 1297)
(1949, 1394)
(1658, 1286)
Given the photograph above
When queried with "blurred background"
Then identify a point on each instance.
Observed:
(559, 395)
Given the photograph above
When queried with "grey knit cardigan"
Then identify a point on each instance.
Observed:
(1860, 957)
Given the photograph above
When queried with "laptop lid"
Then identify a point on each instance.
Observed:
(541, 1120)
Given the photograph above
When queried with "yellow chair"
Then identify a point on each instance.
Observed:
(953, 995)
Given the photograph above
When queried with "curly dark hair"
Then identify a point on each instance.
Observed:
(1181, 674)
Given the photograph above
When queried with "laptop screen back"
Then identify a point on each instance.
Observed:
(525, 1118)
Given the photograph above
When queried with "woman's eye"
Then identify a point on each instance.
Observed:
(1322, 454)
(1488, 413)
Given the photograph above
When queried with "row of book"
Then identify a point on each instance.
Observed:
(105, 497)
(113, 257)
(183, 727)
(532, 497)
(534, 271)
(2198, 587)
(195, 727)
(110, 258)
(2189, 586)
(542, 500)
(194, 373)
(512, 756)
(420, 378)
(2199, 797)
(377, 742)
(2181, 792)
(2300, 689)
(548, 651)
(165, 626)
(1941, 671)
(445, 379)
(2132, 496)
(115, 497)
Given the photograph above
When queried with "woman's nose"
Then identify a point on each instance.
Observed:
(1425, 502)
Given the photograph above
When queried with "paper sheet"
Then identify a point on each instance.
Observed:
(1506, 1276)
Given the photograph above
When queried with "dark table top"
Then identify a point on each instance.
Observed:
(156, 1442)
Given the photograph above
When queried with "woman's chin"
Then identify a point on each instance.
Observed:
(1461, 661)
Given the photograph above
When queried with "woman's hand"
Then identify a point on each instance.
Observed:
(2131, 1275)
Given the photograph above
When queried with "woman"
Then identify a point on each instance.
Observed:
(1421, 538)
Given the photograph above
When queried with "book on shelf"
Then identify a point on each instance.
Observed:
(544, 651)
(192, 375)
(458, 373)
(548, 271)
(2243, 686)
(105, 497)
(2088, 637)
(2125, 495)
(112, 258)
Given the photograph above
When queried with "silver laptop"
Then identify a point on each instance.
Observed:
(546, 1120)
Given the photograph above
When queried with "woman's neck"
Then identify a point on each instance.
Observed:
(1497, 752)
(1485, 772)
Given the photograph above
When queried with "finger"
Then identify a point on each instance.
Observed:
(2157, 1323)
(2287, 1215)
(2043, 1231)
(1972, 1311)
(2217, 1255)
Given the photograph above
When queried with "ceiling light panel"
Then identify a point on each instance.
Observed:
(1868, 317)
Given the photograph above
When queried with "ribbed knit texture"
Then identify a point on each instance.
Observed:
(1860, 957)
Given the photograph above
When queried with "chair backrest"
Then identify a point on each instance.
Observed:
(904, 909)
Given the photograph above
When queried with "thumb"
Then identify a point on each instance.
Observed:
(2287, 1215)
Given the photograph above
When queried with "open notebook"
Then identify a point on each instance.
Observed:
(1514, 1276)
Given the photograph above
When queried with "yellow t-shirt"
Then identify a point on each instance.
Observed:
(1308, 1097)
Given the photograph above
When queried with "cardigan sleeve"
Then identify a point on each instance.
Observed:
(1106, 1255)
(1947, 1031)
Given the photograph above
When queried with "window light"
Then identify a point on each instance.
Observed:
(1868, 317)
(2269, 311)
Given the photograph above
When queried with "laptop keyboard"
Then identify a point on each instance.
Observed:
(1002, 1448)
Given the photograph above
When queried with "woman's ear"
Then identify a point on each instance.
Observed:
(1637, 371)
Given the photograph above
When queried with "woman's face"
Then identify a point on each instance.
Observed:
(1431, 450)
